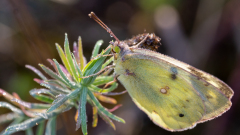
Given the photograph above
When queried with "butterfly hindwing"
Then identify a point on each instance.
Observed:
(215, 93)
(172, 97)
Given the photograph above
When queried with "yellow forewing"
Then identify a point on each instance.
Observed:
(174, 95)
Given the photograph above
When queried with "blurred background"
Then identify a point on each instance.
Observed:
(202, 33)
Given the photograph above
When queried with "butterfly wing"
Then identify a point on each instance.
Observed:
(207, 85)
(174, 95)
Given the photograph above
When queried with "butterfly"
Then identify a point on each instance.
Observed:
(175, 95)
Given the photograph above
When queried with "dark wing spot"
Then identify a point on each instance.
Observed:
(181, 115)
(129, 73)
(173, 76)
(174, 73)
(208, 96)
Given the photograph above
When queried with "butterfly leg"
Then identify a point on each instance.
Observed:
(114, 93)
(102, 56)
(111, 82)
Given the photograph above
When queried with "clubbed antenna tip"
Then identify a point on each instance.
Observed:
(95, 18)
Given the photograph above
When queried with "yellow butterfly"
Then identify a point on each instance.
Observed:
(175, 95)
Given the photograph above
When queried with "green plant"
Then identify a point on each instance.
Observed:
(71, 85)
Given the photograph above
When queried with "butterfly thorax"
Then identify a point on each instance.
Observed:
(119, 57)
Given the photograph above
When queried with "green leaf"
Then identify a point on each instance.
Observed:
(107, 120)
(10, 117)
(63, 100)
(56, 82)
(32, 122)
(40, 128)
(63, 75)
(53, 74)
(11, 107)
(96, 48)
(39, 106)
(63, 57)
(51, 126)
(23, 126)
(100, 80)
(102, 109)
(36, 93)
(29, 131)
(82, 117)
(31, 105)
(107, 62)
(57, 103)
(36, 71)
(80, 51)
(93, 67)
(70, 59)
(55, 89)
(97, 89)
(16, 121)
(79, 72)
(103, 116)
(95, 63)
(43, 98)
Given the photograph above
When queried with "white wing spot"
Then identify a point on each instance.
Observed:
(163, 91)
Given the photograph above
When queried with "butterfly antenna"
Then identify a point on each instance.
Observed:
(95, 18)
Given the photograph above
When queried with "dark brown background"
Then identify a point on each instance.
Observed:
(202, 33)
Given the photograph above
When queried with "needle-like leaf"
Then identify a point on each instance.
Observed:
(63, 57)
(82, 117)
(51, 126)
(63, 75)
(102, 109)
(53, 74)
(40, 128)
(70, 59)
(96, 48)
(63, 100)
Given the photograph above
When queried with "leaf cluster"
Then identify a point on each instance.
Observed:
(72, 84)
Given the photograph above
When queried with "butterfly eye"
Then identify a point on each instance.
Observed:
(116, 49)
